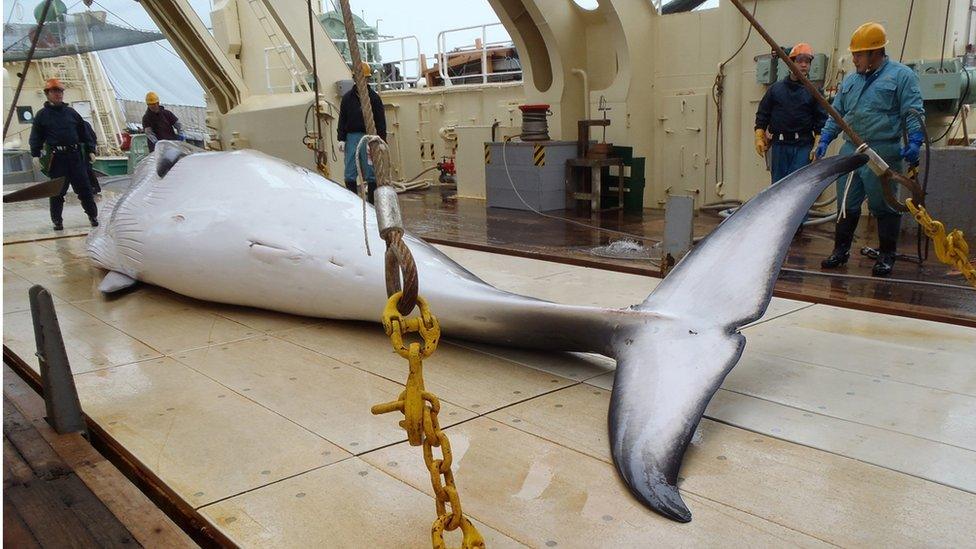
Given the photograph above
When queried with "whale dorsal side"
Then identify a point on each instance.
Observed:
(171, 152)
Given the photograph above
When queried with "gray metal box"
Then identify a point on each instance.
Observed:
(537, 170)
(952, 189)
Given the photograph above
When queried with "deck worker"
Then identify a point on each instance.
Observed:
(875, 101)
(352, 128)
(62, 130)
(790, 114)
(159, 123)
(89, 155)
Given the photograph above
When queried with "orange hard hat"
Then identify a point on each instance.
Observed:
(801, 48)
(53, 84)
(867, 37)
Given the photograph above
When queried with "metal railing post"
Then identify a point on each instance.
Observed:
(484, 54)
(60, 395)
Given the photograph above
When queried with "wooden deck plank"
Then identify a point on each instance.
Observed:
(147, 523)
(54, 503)
(15, 531)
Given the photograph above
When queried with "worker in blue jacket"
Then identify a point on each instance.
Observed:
(62, 130)
(790, 117)
(875, 101)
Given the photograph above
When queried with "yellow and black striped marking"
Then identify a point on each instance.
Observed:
(487, 153)
(539, 155)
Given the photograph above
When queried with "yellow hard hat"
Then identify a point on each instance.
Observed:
(367, 70)
(867, 37)
(152, 98)
(801, 48)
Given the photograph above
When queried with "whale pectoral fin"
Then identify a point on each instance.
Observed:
(115, 281)
(662, 385)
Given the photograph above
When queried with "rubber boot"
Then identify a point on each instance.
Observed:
(843, 237)
(888, 227)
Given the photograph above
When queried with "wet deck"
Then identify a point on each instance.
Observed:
(838, 427)
(467, 223)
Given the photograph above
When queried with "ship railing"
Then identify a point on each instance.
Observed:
(294, 83)
(399, 73)
(483, 46)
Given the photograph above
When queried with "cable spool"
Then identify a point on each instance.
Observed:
(535, 123)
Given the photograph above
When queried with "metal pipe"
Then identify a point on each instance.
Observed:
(27, 62)
(679, 6)
(586, 91)
(321, 159)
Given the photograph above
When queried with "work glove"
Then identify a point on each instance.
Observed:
(825, 139)
(181, 137)
(914, 146)
(816, 145)
(762, 144)
(91, 158)
(342, 146)
(36, 163)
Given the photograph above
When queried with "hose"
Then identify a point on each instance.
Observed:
(924, 182)
(959, 110)
(876, 279)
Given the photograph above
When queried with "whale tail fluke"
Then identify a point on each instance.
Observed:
(667, 375)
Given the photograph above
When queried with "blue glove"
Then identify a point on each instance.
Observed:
(825, 139)
(181, 137)
(911, 150)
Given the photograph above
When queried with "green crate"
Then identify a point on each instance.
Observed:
(633, 183)
(111, 166)
(138, 149)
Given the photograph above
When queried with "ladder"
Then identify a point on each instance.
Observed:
(281, 47)
(107, 127)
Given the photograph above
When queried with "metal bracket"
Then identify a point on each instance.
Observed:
(60, 395)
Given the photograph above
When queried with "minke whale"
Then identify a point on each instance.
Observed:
(245, 228)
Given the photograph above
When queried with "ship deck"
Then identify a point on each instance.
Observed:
(838, 426)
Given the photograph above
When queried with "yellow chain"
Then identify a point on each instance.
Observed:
(951, 249)
(420, 409)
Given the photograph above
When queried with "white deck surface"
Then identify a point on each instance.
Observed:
(837, 427)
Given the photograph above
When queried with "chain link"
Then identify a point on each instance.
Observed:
(420, 409)
(951, 248)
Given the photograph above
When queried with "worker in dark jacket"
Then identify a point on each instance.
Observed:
(159, 123)
(351, 130)
(62, 130)
(89, 156)
(790, 117)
